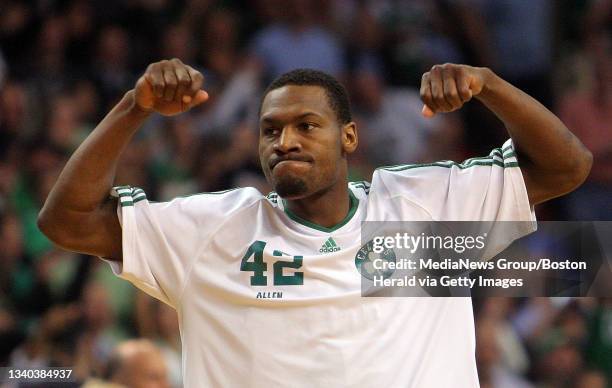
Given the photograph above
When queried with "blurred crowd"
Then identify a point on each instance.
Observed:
(65, 63)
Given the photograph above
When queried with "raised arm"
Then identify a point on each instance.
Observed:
(78, 214)
(553, 161)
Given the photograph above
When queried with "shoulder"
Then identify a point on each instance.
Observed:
(429, 178)
(502, 157)
(225, 201)
(410, 180)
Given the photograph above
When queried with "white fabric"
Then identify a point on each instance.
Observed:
(188, 253)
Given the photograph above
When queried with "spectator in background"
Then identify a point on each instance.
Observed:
(111, 64)
(22, 279)
(169, 342)
(159, 322)
(98, 334)
(297, 40)
(46, 341)
(418, 35)
(559, 365)
(558, 351)
(2, 69)
(491, 371)
(50, 69)
(14, 112)
(394, 130)
(219, 52)
(80, 28)
(10, 334)
(18, 27)
(65, 129)
(599, 347)
(87, 102)
(231, 77)
(138, 364)
(172, 164)
(230, 161)
(363, 46)
(9, 171)
(587, 111)
(591, 379)
(516, 37)
(178, 43)
(501, 356)
(32, 186)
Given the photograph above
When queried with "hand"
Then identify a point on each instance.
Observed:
(169, 88)
(447, 87)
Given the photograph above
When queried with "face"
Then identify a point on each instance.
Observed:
(302, 146)
(148, 370)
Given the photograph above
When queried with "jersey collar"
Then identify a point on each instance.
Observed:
(353, 205)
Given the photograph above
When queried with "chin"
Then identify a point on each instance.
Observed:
(291, 187)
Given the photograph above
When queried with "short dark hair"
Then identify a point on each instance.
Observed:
(336, 93)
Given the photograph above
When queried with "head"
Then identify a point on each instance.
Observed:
(138, 364)
(305, 134)
(592, 379)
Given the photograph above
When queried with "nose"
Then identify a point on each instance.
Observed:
(288, 141)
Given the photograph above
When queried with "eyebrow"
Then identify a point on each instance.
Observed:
(269, 119)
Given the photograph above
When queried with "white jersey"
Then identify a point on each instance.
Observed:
(265, 299)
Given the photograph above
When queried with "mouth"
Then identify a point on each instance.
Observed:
(288, 162)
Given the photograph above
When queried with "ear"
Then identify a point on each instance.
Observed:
(349, 137)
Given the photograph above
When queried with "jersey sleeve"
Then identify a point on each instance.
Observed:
(161, 241)
(489, 188)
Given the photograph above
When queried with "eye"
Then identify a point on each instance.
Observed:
(270, 131)
(306, 126)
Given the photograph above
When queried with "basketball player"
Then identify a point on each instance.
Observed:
(266, 287)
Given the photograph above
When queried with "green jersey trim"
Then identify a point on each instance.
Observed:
(353, 205)
(363, 185)
(272, 197)
(209, 193)
(495, 158)
(128, 195)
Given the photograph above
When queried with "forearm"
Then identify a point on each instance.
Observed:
(84, 184)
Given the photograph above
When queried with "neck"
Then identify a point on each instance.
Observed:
(325, 209)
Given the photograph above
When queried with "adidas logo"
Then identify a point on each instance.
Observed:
(329, 246)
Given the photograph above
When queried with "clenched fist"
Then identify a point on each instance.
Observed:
(447, 87)
(169, 88)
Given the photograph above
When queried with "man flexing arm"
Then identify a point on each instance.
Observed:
(553, 161)
(78, 214)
